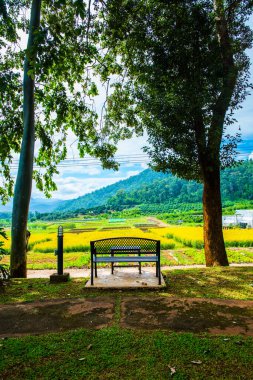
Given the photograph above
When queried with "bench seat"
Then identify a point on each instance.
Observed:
(123, 259)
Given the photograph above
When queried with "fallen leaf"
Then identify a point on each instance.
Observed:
(172, 371)
(196, 362)
(239, 342)
(89, 346)
(81, 359)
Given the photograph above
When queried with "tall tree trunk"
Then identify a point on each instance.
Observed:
(23, 185)
(215, 251)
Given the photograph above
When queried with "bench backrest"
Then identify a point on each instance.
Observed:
(105, 246)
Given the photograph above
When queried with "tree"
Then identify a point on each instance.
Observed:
(183, 71)
(57, 96)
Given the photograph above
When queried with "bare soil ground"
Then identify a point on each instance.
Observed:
(55, 315)
(229, 317)
(158, 222)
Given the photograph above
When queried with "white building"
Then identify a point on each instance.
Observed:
(241, 216)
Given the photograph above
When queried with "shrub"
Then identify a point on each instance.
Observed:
(4, 269)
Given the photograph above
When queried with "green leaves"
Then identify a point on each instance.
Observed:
(64, 73)
(173, 80)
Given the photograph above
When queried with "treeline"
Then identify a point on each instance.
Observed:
(157, 193)
(236, 185)
(150, 187)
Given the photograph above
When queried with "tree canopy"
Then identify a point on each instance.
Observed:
(176, 74)
(183, 70)
(67, 51)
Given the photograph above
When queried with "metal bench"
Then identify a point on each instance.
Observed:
(125, 250)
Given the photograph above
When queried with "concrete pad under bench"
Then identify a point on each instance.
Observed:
(126, 278)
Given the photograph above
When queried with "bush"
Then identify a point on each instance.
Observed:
(167, 245)
(4, 269)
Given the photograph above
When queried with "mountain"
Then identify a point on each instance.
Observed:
(36, 204)
(101, 196)
(150, 187)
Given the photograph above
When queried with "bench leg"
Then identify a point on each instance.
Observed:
(112, 268)
(159, 272)
(139, 264)
(91, 274)
(96, 273)
(156, 269)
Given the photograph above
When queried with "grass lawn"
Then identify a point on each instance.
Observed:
(224, 283)
(114, 353)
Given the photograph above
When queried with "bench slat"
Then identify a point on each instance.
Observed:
(126, 248)
(135, 259)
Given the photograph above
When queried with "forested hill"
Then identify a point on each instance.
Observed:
(150, 187)
(101, 196)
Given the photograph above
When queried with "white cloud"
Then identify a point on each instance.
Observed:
(144, 165)
(90, 170)
(132, 146)
(72, 187)
(133, 172)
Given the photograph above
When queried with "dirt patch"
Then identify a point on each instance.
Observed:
(238, 249)
(230, 317)
(158, 222)
(169, 255)
(55, 315)
(80, 230)
(196, 315)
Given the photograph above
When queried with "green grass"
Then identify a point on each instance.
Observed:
(224, 283)
(115, 353)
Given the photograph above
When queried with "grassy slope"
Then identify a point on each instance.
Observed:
(230, 283)
(113, 353)
(116, 353)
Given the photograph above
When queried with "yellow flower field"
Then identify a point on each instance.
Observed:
(81, 242)
(186, 243)
(46, 242)
(193, 236)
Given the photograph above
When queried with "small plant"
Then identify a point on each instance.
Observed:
(4, 269)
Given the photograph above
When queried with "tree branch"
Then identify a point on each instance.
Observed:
(88, 23)
(229, 79)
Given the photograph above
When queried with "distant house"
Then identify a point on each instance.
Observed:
(243, 218)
